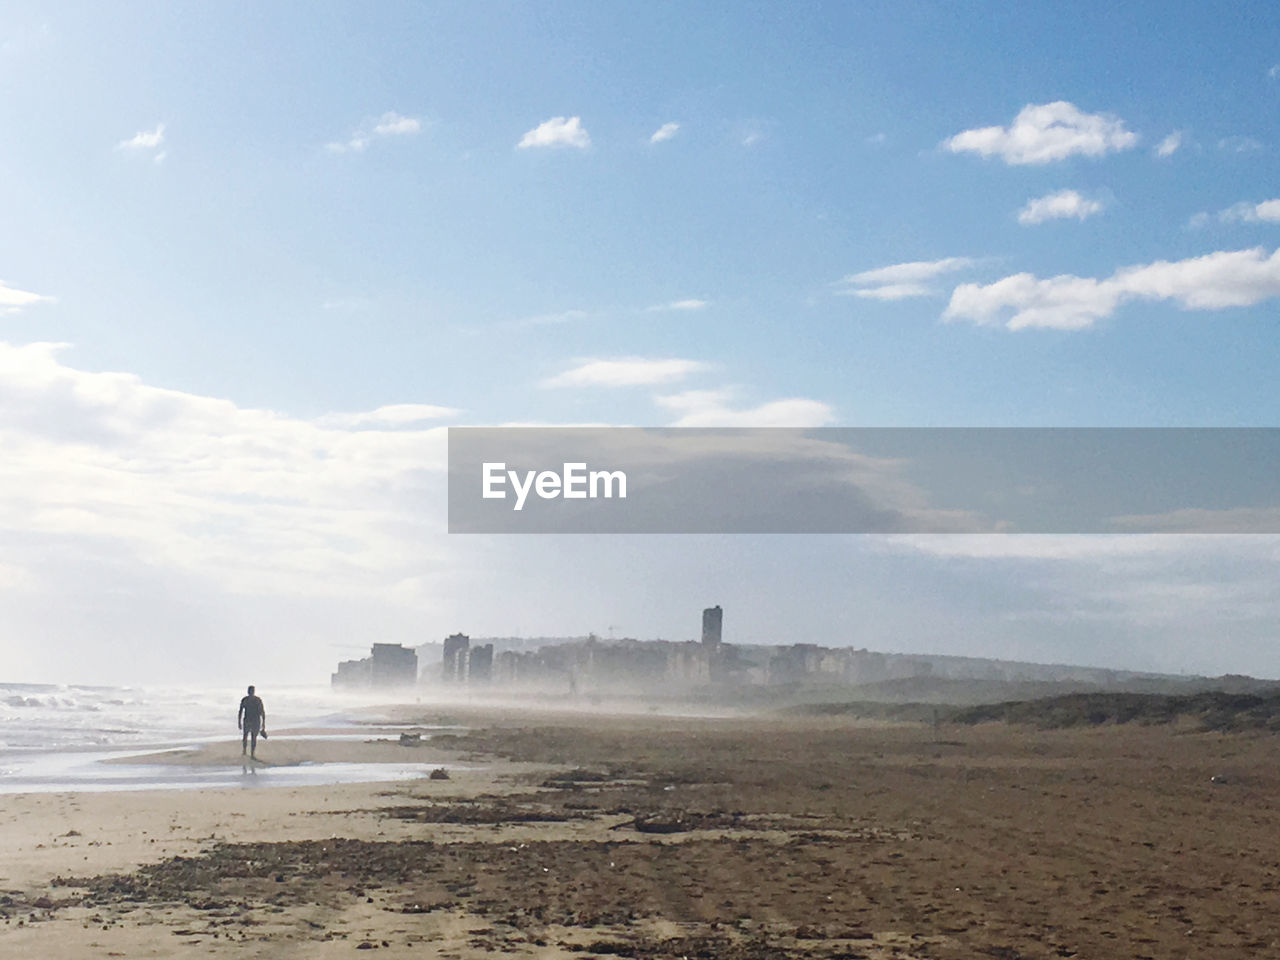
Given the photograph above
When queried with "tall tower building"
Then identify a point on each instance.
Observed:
(712, 618)
(457, 649)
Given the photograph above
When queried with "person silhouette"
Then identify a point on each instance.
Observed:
(252, 720)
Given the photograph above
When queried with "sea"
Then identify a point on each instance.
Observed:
(56, 738)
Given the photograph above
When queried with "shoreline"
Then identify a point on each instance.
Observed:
(301, 757)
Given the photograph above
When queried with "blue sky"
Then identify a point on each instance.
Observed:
(286, 244)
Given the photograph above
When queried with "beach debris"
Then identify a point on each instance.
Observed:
(572, 779)
(1219, 779)
(410, 739)
(657, 823)
(439, 773)
(478, 812)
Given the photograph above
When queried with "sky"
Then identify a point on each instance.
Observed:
(256, 259)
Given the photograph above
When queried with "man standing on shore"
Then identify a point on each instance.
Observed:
(252, 720)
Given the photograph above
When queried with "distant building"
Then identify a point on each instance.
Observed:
(480, 664)
(352, 673)
(712, 620)
(393, 666)
(388, 665)
(457, 657)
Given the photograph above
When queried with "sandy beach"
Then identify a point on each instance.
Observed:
(574, 835)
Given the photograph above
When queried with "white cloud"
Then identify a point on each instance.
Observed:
(1064, 302)
(1058, 206)
(1268, 211)
(625, 372)
(144, 139)
(557, 132)
(1169, 145)
(712, 408)
(900, 280)
(891, 291)
(1235, 278)
(393, 415)
(1042, 133)
(390, 124)
(915, 270)
(665, 132)
(12, 300)
(692, 303)
(1274, 72)
(751, 138)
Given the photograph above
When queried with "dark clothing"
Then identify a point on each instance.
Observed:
(253, 711)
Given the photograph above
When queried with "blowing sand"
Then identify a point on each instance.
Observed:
(580, 836)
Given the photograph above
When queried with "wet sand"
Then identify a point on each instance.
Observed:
(579, 836)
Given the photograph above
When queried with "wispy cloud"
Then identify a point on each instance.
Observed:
(890, 291)
(1239, 144)
(12, 300)
(665, 132)
(1268, 211)
(1062, 205)
(713, 408)
(1225, 278)
(900, 281)
(390, 124)
(393, 415)
(557, 132)
(1169, 145)
(551, 319)
(625, 372)
(680, 305)
(144, 140)
(1043, 133)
